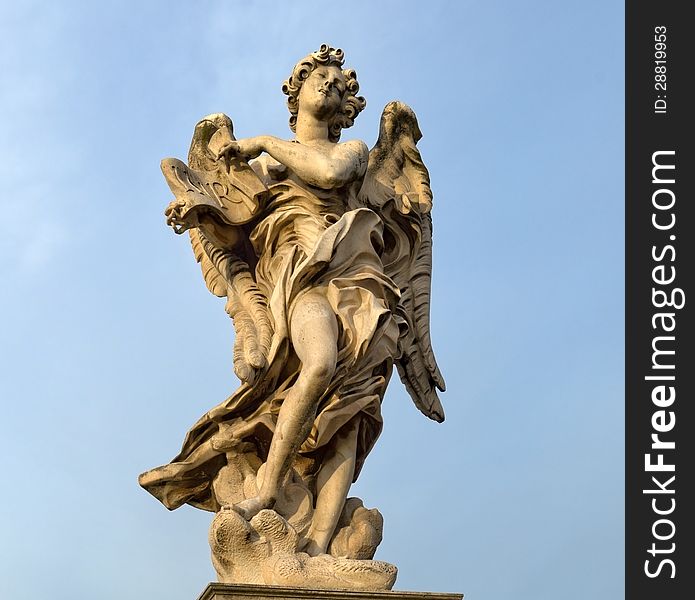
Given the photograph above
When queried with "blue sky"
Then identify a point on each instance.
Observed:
(112, 347)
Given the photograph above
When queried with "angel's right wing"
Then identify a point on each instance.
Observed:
(212, 203)
(396, 186)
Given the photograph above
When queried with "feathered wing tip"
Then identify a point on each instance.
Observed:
(417, 366)
(248, 307)
(426, 400)
(397, 186)
(228, 275)
(420, 285)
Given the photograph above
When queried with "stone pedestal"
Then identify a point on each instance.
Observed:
(230, 591)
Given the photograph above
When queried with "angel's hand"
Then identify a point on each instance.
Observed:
(245, 149)
(174, 215)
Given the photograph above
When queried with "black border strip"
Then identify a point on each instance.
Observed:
(659, 121)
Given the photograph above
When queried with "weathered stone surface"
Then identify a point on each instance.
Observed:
(322, 250)
(266, 550)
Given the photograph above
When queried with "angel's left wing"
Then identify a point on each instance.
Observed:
(396, 186)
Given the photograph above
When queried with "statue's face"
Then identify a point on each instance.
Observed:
(322, 92)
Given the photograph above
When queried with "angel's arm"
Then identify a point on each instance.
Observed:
(345, 163)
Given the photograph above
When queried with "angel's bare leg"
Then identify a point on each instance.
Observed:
(332, 484)
(314, 333)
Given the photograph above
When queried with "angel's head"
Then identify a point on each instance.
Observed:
(331, 92)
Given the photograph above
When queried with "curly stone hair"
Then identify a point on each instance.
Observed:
(352, 104)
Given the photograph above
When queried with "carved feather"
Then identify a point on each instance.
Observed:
(214, 280)
(420, 285)
(248, 307)
(228, 275)
(397, 186)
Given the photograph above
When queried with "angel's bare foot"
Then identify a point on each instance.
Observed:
(250, 507)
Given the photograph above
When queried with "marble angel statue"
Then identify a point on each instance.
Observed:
(323, 252)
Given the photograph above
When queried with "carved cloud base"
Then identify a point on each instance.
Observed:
(264, 551)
